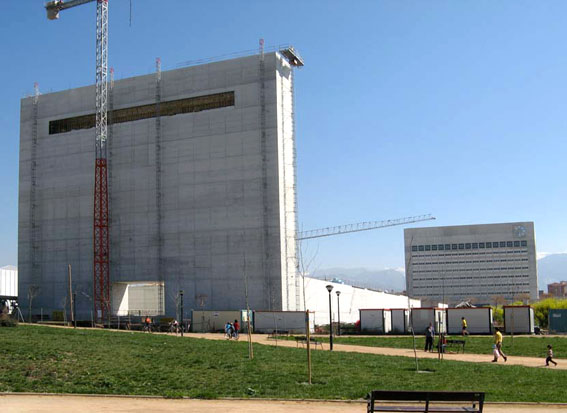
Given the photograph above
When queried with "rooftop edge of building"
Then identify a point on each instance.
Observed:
(288, 53)
(413, 229)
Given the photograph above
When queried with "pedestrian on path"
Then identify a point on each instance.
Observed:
(465, 332)
(236, 327)
(429, 336)
(498, 346)
(549, 356)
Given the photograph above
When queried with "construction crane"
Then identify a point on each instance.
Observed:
(361, 226)
(101, 242)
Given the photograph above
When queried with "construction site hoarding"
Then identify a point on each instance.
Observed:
(518, 319)
(420, 318)
(479, 320)
(400, 320)
(292, 322)
(375, 321)
(557, 321)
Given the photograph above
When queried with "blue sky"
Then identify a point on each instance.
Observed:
(455, 108)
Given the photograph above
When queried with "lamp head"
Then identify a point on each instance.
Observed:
(338, 293)
(329, 288)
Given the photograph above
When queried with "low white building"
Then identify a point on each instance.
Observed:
(351, 300)
(8, 282)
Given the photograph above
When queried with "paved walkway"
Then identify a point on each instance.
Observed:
(387, 351)
(96, 404)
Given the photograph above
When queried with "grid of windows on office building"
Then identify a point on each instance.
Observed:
(470, 246)
(494, 272)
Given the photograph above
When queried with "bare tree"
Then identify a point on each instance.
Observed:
(408, 265)
(175, 297)
(523, 297)
(304, 263)
(499, 300)
(33, 291)
(248, 327)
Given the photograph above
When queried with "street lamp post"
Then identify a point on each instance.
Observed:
(338, 314)
(329, 289)
(181, 311)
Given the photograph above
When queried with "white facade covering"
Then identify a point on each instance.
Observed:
(479, 320)
(9, 281)
(352, 299)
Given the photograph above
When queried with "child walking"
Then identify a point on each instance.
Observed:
(549, 356)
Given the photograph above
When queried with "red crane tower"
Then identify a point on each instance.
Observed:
(101, 241)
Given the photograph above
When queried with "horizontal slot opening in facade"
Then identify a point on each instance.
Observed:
(168, 108)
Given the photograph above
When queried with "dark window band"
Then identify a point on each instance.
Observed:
(171, 108)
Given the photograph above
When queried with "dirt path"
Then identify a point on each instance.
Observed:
(92, 404)
(472, 358)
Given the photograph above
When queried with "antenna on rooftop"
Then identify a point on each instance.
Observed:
(261, 44)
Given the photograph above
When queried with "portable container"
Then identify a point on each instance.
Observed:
(557, 321)
(281, 321)
(214, 321)
(479, 320)
(375, 321)
(421, 317)
(518, 319)
(400, 320)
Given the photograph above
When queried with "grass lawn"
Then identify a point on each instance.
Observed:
(528, 346)
(43, 359)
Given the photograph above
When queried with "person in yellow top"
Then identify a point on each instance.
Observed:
(498, 346)
(465, 332)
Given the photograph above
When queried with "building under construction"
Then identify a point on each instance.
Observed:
(201, 190)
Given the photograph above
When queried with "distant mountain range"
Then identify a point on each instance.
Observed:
(390, 279)
(552, 268)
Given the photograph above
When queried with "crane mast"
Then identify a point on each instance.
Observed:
(101, 240)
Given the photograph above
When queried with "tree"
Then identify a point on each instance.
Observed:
(523, 297)
(33, 291)
(499, 300)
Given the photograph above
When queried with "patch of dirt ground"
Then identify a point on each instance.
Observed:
(95, 404)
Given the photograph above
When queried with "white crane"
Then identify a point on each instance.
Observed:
(361, 226)
(101, 242)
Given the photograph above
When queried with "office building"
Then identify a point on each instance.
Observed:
(481, 263)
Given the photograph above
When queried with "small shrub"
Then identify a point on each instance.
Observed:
(7, 321)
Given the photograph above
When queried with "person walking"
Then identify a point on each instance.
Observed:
(236, 327)
(228, 329)
(464, 330)
(549, 358)
(429, 336)
(498, 346)
(148, 324)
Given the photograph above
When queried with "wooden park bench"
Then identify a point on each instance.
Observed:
(303, 341)
(425, 401)
(456, 343)
(275, 334)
